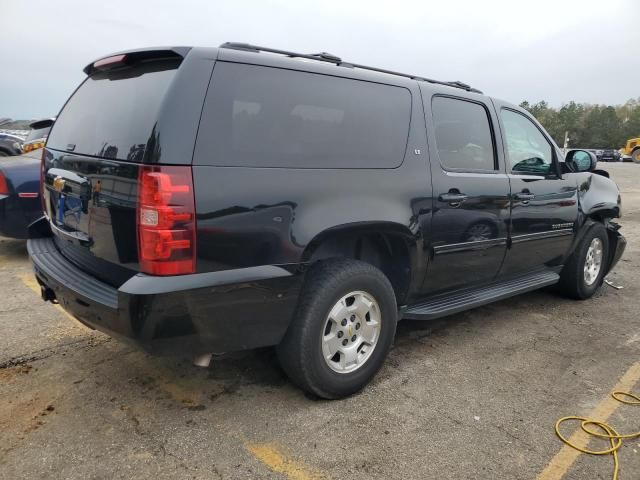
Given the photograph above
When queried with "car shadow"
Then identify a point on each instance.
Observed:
(234, 375)
(13, 250)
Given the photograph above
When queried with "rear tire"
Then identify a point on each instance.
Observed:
(584, 272)
(342, 301)
(635, 155)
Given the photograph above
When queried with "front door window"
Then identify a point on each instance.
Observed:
(528, 151)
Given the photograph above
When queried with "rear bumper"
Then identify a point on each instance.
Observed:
(188, 314)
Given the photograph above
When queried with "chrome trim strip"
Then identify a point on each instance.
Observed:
(542, 235)
(469, 246)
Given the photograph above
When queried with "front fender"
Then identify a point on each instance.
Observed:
(598, 197)
(599, 201)
(617, 242)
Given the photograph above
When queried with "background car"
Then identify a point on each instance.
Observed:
(10, 145)
(610, 155)
(19, 198)
(38, 134)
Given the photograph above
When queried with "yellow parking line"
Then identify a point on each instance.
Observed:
(29, 281)
(273, 458)
(565, 458)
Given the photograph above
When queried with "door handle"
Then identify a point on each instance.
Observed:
(453, 198)
(526, 196)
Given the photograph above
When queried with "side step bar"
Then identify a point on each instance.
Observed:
(459, 300)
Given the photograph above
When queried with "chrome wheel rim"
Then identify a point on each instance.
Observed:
(593, 262)
(351, 332)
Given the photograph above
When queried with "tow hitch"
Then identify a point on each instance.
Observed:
(47, 294)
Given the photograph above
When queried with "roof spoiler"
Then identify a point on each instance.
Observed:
(132, 56)
(45, 123)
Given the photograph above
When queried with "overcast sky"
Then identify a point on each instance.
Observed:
(557, 50)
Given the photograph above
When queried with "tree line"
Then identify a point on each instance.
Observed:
(589, 126)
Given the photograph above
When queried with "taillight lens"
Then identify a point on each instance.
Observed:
(42, 200)
(4, 188)
(166, 220)
(109, 62)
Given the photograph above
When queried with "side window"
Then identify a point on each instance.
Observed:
(270, 117)
(463, 134)
(527, 148)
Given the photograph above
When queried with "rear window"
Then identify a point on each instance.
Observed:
(113, 113)
(268, 117)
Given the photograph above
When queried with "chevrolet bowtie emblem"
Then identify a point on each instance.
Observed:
(58, 184)
(350, 330)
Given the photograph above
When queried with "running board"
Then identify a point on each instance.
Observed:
(459, 300)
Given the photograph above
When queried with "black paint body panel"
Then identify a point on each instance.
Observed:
(201, 314)
(21, 177)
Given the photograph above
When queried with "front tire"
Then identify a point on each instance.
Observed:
(584, 272)
(342, 330)
(635, 155)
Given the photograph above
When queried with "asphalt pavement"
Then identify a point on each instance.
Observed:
(475, 395)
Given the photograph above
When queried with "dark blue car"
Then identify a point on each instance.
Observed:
(20, 202)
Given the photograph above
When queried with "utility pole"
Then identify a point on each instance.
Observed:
(566, 142)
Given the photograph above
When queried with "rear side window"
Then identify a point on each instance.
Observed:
(113, 113)
(463, 134)
(268, 117)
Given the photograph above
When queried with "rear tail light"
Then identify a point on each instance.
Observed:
(166, 220)
(42, 186)
(4, 188)
(109, 62)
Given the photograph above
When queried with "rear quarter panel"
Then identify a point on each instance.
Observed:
(255, 216)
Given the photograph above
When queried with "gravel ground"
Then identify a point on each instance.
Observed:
(475, 395)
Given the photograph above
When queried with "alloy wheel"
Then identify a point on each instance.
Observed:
(593, 262)
(351, 332)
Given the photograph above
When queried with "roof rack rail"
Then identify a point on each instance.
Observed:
(330, 58)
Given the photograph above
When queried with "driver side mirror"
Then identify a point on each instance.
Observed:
(580, 161)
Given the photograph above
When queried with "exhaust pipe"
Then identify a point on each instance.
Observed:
(203, 360)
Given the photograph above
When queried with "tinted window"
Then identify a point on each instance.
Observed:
(268, 117)
(527, 149)
(463, 134)
(112, 114)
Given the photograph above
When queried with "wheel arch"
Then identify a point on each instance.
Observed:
(613, 236)
(389, 246)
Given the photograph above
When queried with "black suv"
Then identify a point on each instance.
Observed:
(610, 155)
(205, 200)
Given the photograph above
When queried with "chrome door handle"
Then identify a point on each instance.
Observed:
(452, 197)
(524, 196)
